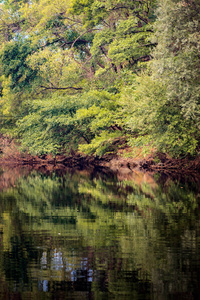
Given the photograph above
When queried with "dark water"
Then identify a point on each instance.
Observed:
(81, 236)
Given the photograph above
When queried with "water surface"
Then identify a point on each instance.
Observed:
(81, 236)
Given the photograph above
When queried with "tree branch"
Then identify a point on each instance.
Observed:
(145, 20)
(61, 88)
(89, 30)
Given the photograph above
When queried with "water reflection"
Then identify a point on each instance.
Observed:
(77, 237)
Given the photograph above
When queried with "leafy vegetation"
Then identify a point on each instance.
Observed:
(85, 75)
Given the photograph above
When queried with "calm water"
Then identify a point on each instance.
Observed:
(81, 236)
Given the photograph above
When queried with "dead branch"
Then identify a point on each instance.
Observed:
(61, 88)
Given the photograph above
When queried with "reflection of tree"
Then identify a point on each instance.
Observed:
(111, 238)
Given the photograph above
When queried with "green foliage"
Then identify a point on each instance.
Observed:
(162, 107)
(157, 123)
(124, 29)
(102, 143)
(49, 125)
(131, 44)
(102, 120)
(60, 122)
(75, 74)
(177, 57)
(14, 65)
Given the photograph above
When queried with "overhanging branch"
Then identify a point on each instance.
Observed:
(61, 88)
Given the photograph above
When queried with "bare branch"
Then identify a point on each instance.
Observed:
(61, 88)
(87, 31)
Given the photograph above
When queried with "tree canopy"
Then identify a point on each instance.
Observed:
(88, 74)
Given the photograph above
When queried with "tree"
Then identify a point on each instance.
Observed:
(177, 56)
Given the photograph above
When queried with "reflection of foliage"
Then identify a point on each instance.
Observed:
(116, 234)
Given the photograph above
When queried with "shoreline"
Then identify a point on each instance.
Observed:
(118, 163)
(115, 163)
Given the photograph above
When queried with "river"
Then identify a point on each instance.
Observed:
(90, 236)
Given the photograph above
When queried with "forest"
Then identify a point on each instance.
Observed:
(95, 75)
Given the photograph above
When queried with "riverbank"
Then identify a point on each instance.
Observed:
(117, 163)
